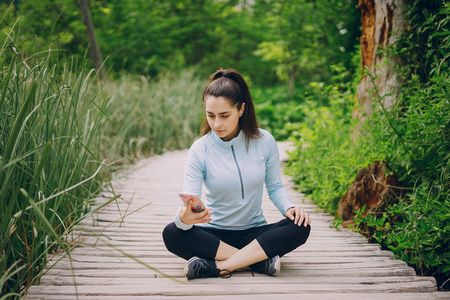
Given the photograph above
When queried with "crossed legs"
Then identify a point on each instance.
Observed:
(235, 249)
(230, 258)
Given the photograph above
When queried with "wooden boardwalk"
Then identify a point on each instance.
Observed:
(331, 265)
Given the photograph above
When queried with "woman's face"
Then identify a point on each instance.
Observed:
(223, 117)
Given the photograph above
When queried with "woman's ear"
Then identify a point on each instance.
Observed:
(241, 111)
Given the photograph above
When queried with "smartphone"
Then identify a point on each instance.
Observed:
(197, 204)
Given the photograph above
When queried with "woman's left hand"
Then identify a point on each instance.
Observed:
(298, 215)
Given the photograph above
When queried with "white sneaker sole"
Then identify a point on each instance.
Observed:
(277, 266)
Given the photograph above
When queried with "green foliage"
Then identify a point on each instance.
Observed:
(413, 137)
(305, 37)
(417, 131)
(145, 113)
(149, 37)
(40, 23)
(280, 115)
(48, 126)
(416, 230)
(61, 135)
(275, 110)
(325, 160)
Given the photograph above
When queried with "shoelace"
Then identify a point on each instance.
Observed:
(208, 272)
(257, 268)
(226, 275)
(205, 271)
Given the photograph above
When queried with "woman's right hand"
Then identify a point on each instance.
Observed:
(187, 216)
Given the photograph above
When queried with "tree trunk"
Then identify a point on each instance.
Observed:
(291, 86)
(382, 23)
(94, 50)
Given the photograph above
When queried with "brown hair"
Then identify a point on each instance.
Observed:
(230, 84)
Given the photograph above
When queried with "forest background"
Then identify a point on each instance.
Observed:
(63, 131)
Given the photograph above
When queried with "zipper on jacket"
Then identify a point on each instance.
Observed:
(239, 170)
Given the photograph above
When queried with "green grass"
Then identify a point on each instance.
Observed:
(62, 133)
(152, 116)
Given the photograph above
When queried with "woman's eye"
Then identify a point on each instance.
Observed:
(210, 116)
(225, 117)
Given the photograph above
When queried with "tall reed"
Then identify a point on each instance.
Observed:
(48, 126)
(152, 116)
(60, 129)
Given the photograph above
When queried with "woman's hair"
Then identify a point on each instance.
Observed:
(230, 84)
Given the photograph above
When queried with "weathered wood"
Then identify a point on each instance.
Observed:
(142, 272)
(302, 257)
(333, 264)
(80, 265)
(222, 288)
(68, 280)
(302, 295)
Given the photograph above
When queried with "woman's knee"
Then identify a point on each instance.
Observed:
(175, 241)
(286, 237)
(170, 234)
(297, 233)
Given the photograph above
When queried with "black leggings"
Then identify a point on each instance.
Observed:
(275, 239)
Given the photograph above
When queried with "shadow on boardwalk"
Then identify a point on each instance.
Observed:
(331, 265)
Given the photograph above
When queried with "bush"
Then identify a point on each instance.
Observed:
(274, 110)
(276, 113)
(325, 160)
(413, 137)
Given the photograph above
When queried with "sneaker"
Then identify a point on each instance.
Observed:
(271, 266)
(200, 268)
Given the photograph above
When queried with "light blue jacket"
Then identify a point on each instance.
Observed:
(233, 179)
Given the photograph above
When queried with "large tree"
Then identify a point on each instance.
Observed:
(383, 21)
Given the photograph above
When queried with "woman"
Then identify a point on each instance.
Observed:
(233, 159)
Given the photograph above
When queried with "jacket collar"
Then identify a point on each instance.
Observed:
(235, 141)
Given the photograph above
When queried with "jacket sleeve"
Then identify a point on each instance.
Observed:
(194, 171)
(193, 180)
(179, 223)
(277, 193)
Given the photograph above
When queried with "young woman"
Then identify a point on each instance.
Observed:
(233, 160)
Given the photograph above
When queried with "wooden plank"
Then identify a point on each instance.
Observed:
(355, 266)
(260, 279)
(222, 288)
(303, 295)
(114, 257)
(141, 271)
